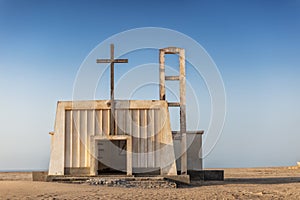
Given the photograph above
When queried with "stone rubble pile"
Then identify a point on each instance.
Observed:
(131, 183)
(107, 182)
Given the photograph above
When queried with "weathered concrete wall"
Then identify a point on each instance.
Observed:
(194, 153)
(147, 122)
(57, 154)
(15, 176)
(39, 175)
(206, 175)
(77, 170)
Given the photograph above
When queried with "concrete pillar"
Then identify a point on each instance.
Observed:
(162, 89)
(129, 156)
(182, 111)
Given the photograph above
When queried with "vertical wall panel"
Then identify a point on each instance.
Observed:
(128, 122)
(100, 116)
(150, 138)
(78, 138)
(120, 122)
(105, 121)
(143, 138)
(68, 141)
(90, 129)
(83, 134)
(75, 139)
(157, 139)
(115, 117)
(135, 139)
(98, 124)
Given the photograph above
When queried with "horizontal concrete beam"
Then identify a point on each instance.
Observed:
(111, 137)
(171, 50)
(172, 78)
(173, 104)
(189, 132)
(106, 104)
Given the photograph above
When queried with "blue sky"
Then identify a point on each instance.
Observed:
(255, 45)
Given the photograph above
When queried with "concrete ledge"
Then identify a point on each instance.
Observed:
(40, 176)
(77, 171)
(178, 178)
(146, 171)
(206, 175)
(15, 176)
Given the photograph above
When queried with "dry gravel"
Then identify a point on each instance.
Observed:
(254, 183)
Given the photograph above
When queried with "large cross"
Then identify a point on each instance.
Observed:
(112, 62)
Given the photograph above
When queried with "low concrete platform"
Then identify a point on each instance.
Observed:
(185, 179)
(39, 176)
(82, 178)
(121, 181)
(206, 175)
(199, 175)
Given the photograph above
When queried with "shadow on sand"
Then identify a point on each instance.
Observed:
(264, 180)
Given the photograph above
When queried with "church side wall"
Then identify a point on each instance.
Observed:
(56, 165)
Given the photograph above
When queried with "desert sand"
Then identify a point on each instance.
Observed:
(253, 183)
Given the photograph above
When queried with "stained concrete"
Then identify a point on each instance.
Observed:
(80, 124)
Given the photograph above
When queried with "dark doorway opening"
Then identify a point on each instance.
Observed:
(112, 157)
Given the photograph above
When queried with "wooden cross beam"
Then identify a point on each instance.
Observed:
(112, 62)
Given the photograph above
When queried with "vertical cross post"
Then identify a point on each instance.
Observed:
(112, 90)
(112, 62)
(112, 72)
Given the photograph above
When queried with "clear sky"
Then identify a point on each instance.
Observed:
(255, 44)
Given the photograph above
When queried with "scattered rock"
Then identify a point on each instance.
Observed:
(131, 183)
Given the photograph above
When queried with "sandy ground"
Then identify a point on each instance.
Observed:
(254, 183)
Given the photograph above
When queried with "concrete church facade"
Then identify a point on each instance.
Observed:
(130, 136)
